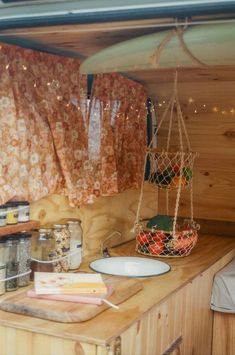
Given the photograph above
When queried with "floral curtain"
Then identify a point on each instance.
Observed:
(54, 140)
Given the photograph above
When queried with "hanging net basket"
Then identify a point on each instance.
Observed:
(166, 171)
(170, 168)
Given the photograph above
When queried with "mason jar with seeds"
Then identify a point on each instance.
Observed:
(61, 236)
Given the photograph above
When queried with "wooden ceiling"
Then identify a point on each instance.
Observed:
(210, 86)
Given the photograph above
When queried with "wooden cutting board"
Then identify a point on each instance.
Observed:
(69, 312)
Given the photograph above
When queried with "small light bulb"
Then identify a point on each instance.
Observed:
(190, 100)
(24, 67)
(215, 109)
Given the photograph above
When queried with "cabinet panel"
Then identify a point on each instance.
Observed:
(20, 342)
(223, 334)
(186, 313)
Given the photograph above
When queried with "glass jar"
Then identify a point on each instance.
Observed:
(45, 246)
(75, 231)
(12, 213)
(62, 247)
(3, 215)
(2, 266)
(24, 257)
(12, 262)
(23, 208)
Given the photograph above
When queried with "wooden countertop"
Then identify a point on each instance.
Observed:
(102, 329)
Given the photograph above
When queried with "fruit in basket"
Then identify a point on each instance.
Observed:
(156, 248)
(158, 236)
(143, 238)
(184, 240)
(162, 180)
(177, 180)
(187, 173)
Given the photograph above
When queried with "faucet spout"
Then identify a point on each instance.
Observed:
(104, 249)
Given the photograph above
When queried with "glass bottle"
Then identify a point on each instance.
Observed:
(75, 231)
(24, 257)
(3, 215)
(23, 211)
(12, 213)
(45, 245)
(12, 262)
(2, 266)
(62, 246)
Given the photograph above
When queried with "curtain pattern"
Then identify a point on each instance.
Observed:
(53, 140)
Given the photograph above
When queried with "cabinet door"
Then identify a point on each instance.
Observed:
(181, 325)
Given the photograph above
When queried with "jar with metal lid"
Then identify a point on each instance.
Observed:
(12, 213)
(12, 262)
(45, 245)
(3, 215)
(62, 247)
(23, 208)
(2, 266)
(75, 231)
(24, 258)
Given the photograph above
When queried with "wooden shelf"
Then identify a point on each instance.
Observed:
(15, 228)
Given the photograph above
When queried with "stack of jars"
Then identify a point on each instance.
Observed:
(61, 243)
(14, 212)
(15, 257)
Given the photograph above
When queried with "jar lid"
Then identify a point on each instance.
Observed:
(21, 203)
(24, 235)
(59, 226)
(74, 222)
(44, 230)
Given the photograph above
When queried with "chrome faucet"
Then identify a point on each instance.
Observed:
(104, 249)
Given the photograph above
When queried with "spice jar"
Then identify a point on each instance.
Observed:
(62, 247)
(12, 262)
(12, 213)
(24, 257)
(2, 266)
(45, 246)
(23, 208)
(3, 215)
(75, 231)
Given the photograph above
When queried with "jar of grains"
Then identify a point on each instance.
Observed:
(62, 246)
(2, 266)
(75, 231)
(24, 258)
(12, 262)
(45, 247)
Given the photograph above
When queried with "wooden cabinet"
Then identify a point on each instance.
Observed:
(179, 323)
(182, 324)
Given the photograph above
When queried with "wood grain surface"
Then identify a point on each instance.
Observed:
(69, 312)
(106, 326)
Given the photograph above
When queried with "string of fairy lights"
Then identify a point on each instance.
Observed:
(197, 108)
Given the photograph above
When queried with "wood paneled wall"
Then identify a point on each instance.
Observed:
(99, 220)
(212, 135)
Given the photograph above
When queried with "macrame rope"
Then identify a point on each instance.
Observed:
(178, 195)
(141, 193)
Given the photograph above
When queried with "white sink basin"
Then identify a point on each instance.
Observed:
(130, 266)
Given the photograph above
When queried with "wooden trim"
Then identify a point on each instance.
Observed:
(15, 228)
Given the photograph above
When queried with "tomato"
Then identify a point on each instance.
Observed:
(143, 238)
(158, 236)
(156, 248)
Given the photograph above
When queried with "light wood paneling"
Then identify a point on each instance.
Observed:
(99, 220)
(212, 135)
(223, 334)
(184, 314)
(21, 342)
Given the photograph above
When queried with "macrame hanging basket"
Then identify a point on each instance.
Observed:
(171, 171)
